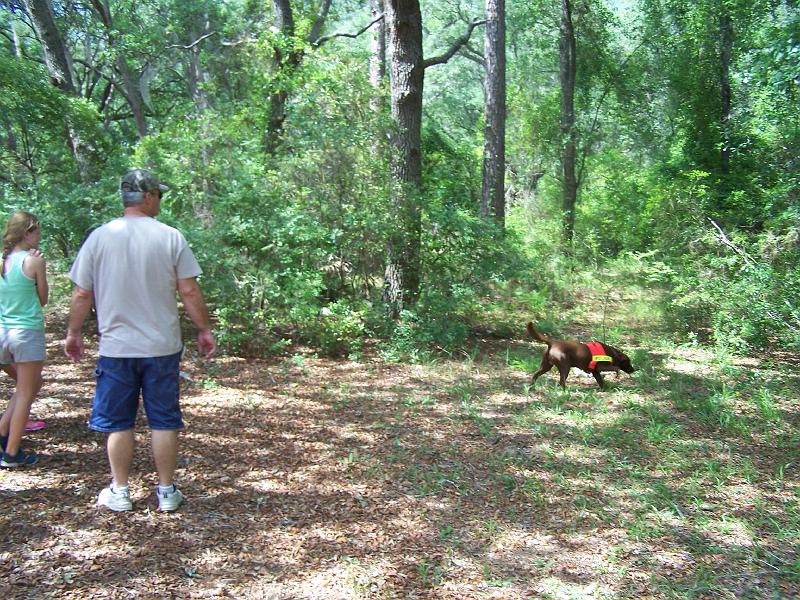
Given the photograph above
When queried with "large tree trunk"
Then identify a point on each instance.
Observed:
(494, 145)
(59, 66)
(567, 72)
(56, 56)
(404, 23)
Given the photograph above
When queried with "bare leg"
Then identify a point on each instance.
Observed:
(12, 424)
(120, 455)
(5, 419)
(165, 454)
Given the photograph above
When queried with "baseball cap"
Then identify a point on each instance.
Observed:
(140, 180)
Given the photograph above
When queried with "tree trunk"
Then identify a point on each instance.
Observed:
(567, 72)
(56, 56)
(133, 95)
(284, 63)
(197, 78)
(404, 23)
(130, 90)
(726, 55)
(377, 56)
(59, 66)
(494, 146)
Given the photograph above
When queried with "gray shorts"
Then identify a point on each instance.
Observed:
(21, 345)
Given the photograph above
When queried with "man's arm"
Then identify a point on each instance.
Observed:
(79, 309)
(195, 305)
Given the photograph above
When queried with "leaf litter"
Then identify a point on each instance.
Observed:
(317, 478)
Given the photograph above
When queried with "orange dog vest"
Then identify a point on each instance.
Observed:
(598, 354)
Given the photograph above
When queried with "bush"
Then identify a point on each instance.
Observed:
(338, 330)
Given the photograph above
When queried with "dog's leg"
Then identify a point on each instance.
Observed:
(546, 366)
(563, 371)
(599, 378)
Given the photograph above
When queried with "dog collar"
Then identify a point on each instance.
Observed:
(598, 354)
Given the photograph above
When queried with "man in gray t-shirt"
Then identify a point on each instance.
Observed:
(131, 268)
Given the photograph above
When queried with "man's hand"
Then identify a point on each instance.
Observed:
(73, 346)
(206, 344)
(35, 252)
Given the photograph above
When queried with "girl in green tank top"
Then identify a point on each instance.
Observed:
(23, 292)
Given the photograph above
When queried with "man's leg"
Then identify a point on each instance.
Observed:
(161, 395)
(165, 454)
(120, 448)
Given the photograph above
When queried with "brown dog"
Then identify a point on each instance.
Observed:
(566, 354)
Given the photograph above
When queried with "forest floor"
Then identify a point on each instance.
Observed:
(317, 478)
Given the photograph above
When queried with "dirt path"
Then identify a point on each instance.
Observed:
(311, 478)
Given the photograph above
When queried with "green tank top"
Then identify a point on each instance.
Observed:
(19, 303)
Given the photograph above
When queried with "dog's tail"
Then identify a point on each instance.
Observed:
(536, 335)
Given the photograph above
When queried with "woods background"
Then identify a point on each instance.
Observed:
(406, 168)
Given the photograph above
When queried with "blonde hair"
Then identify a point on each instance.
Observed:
(19, 223)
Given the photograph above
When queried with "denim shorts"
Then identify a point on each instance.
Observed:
(21, 345)
(119, 383)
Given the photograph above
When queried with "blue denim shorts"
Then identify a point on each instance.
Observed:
(21, 345)
(119, 383)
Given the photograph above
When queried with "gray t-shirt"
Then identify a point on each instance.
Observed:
(133, 265)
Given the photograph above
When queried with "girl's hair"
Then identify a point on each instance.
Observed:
(19, 223)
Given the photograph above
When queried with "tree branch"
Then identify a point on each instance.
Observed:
(313, 35)
(472, 54)
(442, 59)
(723, 237)
(326, 38)
(193, 44)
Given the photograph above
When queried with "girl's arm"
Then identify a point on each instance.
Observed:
(34, 266)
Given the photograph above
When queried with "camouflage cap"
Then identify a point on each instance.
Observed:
(140, 180)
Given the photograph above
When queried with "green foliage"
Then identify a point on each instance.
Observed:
(744, 302)
(293, 244)
(339, 330)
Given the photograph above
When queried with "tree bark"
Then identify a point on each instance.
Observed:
(406, 73)
(377, 56)
(284, 63)
(406, 77)
(726, 56)
(197, 78)
(130, 83)
(56, 55)
(59, 65)
(494, 147)
(567, 74)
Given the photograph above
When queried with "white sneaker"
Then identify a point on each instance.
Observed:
(169, 501)
(119, 501)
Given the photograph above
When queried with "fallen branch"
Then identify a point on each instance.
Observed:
(723, 237)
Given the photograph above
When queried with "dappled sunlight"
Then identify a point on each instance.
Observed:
(315, 478)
